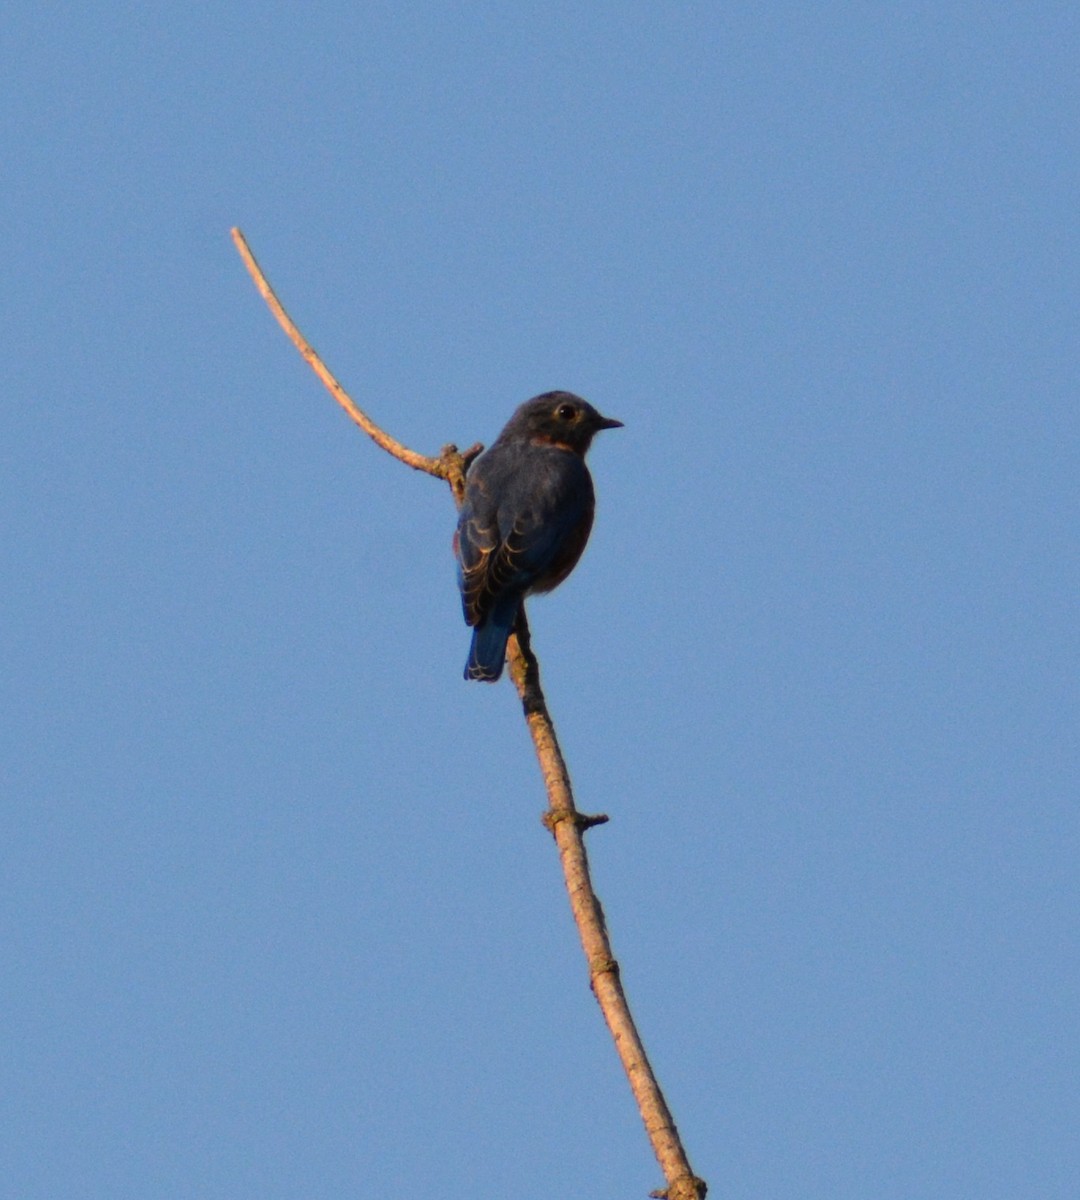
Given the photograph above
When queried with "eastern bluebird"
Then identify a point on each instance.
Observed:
(526, 517)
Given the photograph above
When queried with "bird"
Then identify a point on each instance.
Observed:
(525, 518)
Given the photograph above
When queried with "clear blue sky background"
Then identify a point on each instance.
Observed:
(279, 917)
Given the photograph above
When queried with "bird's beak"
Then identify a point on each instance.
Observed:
(608, 423)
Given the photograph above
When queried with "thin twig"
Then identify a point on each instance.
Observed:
(450, 465)
(568, 828)
(562, 818)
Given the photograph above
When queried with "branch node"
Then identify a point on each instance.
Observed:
(583, 821)
(686, 1187)
(463, 457)
(602, 965)
(453, 465)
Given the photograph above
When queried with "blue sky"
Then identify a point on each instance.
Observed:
(279, 918)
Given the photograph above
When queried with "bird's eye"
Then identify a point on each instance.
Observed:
(566, 412)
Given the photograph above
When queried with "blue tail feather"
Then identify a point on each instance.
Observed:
(487, 654)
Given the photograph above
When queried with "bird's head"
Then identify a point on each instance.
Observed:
(560, 419)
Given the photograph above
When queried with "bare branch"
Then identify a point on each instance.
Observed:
(568, 827)
(566, 823)
(450, 465)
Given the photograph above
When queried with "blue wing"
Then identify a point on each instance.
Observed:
(524, 523)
